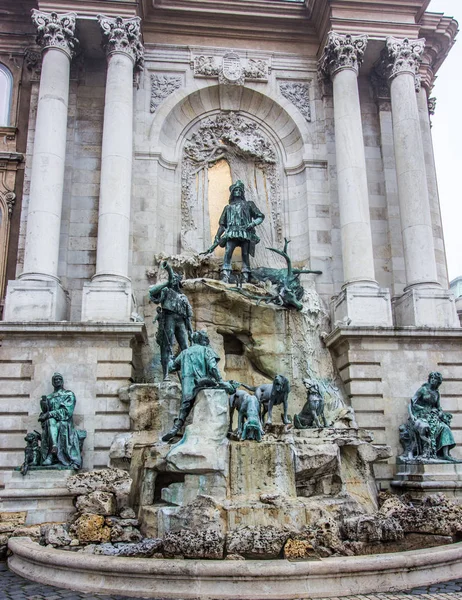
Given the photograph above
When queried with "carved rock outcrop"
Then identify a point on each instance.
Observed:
(144, 549)
(265, 541)
(205, 543)
(115, 481)
(97, 503)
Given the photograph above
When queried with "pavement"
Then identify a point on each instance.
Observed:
(13, 587)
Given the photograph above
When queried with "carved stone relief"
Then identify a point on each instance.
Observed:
(256, 69)
(230, 68)
(342, 52)
(162, 86)
(123, 35)
(404, 55)
(33, 62)
(55, 30)
(298, 92)
(401, 56)
(232, 71)
(251, 158)
(204, 66)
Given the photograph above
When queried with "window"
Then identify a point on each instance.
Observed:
(6, 88)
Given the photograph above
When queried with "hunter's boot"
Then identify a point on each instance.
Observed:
(177, 425)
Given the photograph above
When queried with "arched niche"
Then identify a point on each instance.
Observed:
(263, 139)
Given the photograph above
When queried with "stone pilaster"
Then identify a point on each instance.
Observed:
(361, 302)
(108, 296)
(424, 302)
(37, 295)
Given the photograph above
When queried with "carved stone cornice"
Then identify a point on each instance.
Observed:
(342, 52)
(55, 30)
(123, 36)
(404, 55)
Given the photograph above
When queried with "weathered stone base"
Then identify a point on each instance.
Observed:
(34, 300)
(228, 580)
(422, 479)
(106, 301)
(426, 307)
(43, 494)
(363, 305)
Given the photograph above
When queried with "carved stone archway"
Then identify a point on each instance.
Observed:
(251, 158)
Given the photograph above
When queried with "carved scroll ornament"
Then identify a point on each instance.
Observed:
(123, 35)
(342, 52)
(404, 55)
(55, 30)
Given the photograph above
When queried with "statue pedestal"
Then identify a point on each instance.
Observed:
(41, 492)
(421, 479)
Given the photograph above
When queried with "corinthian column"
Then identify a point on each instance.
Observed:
(424, 302)
(361, 302)
(38, 295)
(108, 296)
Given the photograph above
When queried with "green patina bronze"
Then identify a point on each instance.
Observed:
(198, 366)
(173, 316)
(61, 443)
(289, 290)
(237, 229)
(312, 414)
(427, 435)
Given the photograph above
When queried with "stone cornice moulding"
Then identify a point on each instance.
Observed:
(122, 36)
(56, 30)
(92, 8)
(342, 52)
(73, 329)
(440, 33)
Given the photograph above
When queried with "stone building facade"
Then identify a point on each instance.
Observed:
(117, 111)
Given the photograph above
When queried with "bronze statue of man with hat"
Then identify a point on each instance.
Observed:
(237, 228)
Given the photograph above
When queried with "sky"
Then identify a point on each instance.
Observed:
(447, 140)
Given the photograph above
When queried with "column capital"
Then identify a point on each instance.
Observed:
(56, 30)
(342, 52)
(123, 36)
(403, 56)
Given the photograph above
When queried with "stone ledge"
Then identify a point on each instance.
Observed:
(72, 328)
(393, 333)
(228, 580)
(35, 493)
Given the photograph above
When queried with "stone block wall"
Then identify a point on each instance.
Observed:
(383, 368)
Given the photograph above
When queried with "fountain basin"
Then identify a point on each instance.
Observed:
(228, 580)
